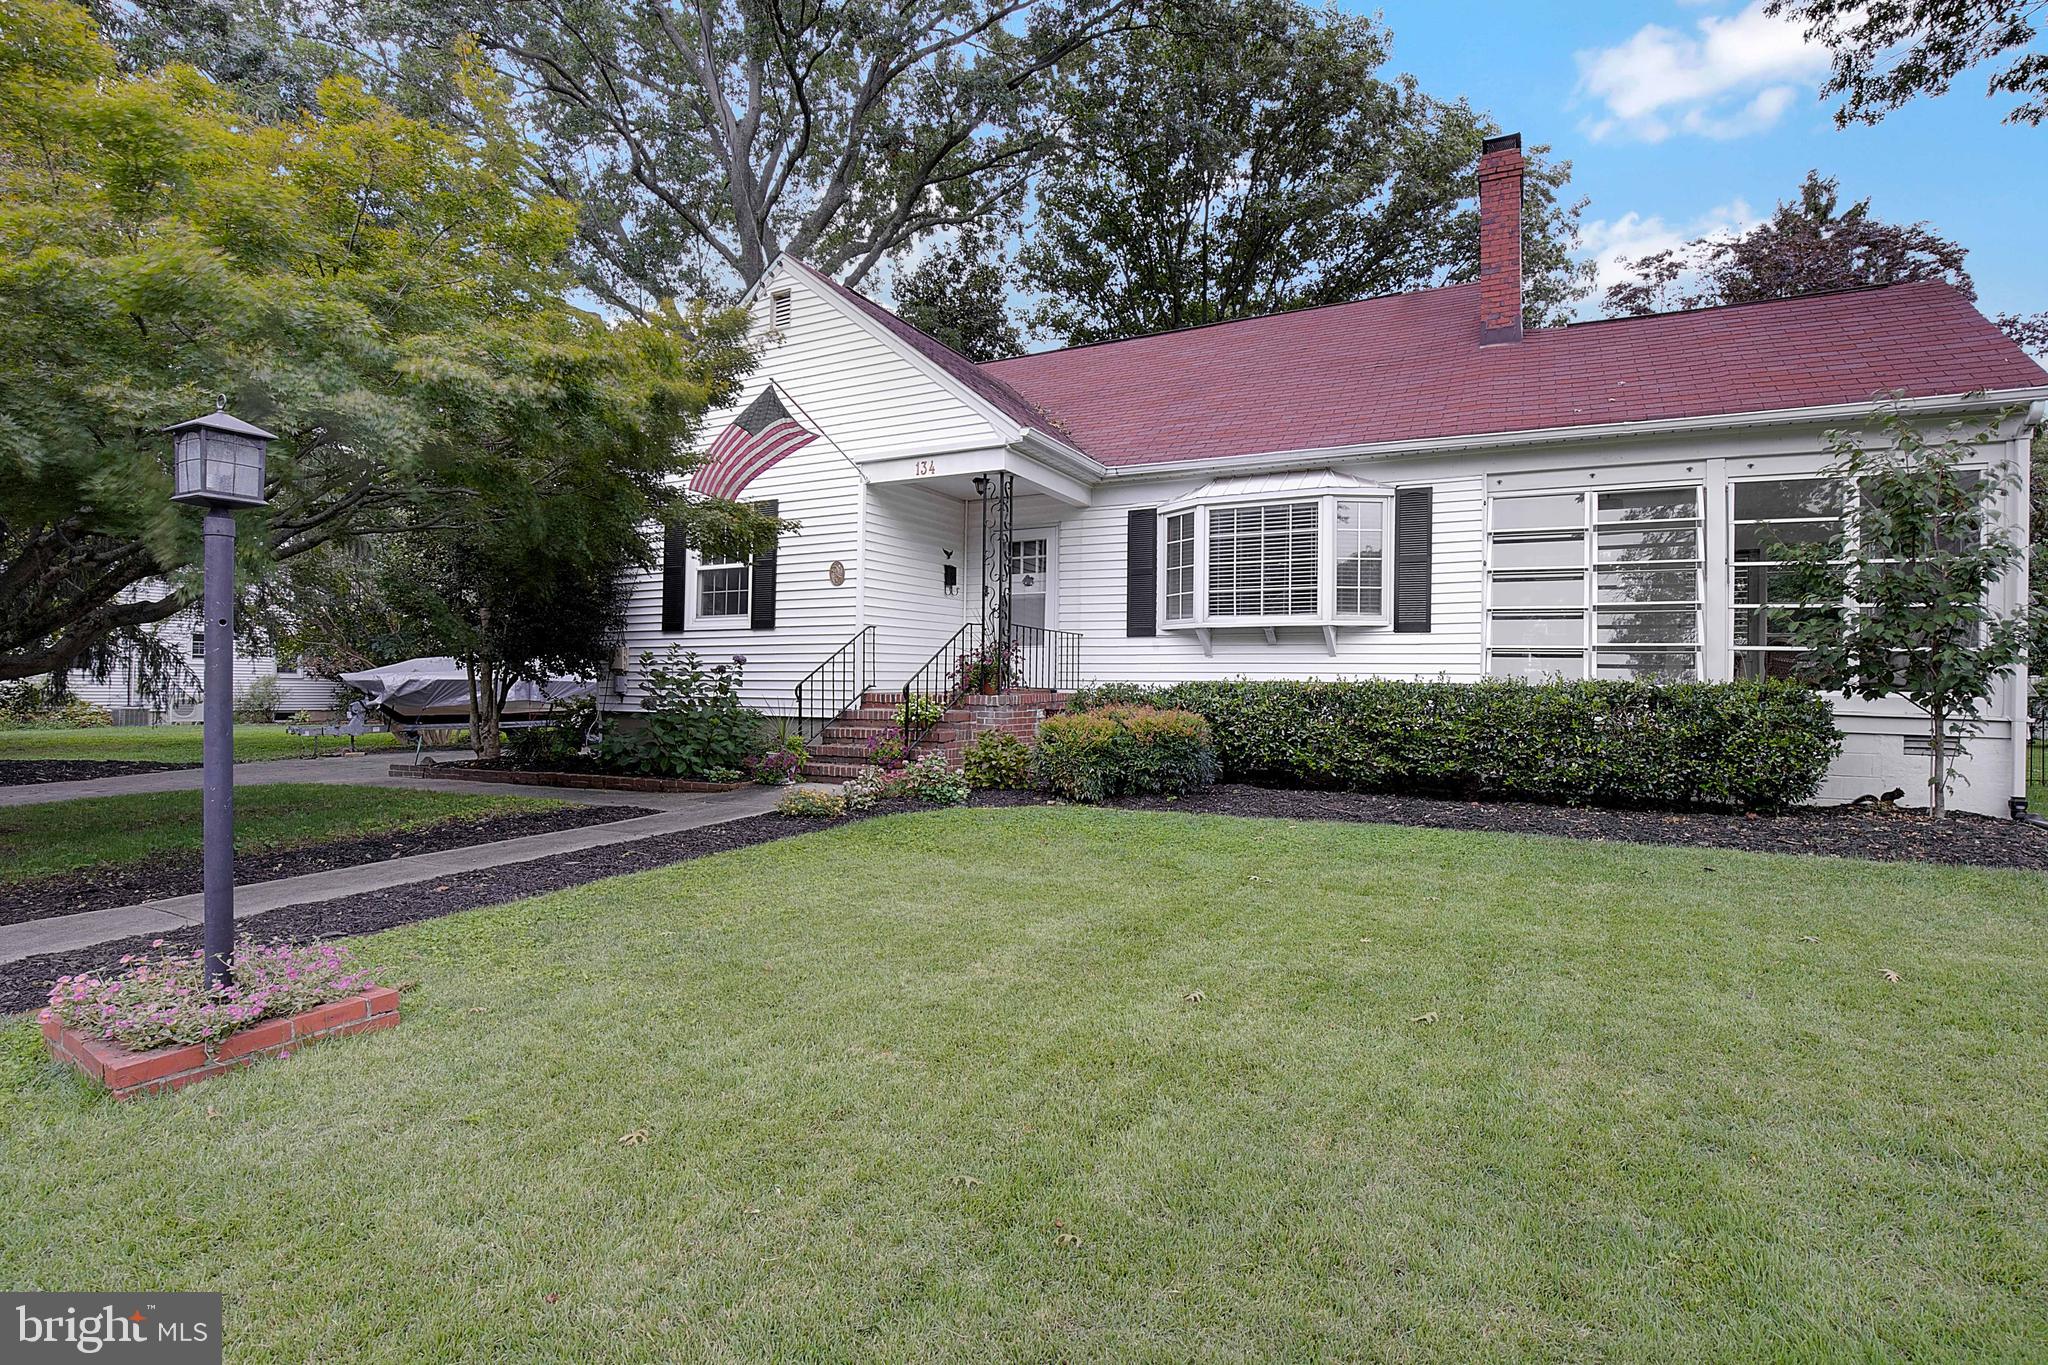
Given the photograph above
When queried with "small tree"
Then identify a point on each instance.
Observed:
(1898, 602)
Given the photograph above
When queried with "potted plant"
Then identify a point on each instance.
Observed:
(985, 670)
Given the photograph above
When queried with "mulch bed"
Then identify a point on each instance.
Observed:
(1873, 832)
(20, 772)
(1890, 836)
(178, 874)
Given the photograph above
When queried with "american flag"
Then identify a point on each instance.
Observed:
(762, 434)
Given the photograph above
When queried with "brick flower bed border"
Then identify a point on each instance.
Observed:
(591, 781)
(127, 1074)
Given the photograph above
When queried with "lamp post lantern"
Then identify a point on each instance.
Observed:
(219, 465)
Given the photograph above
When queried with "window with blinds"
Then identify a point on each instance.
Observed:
(1263, 560)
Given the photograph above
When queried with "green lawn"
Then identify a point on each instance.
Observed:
(65, 836)
(1057, 1084)
(170, 743)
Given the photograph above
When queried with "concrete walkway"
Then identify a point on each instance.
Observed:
(363, 770)
(677, 812)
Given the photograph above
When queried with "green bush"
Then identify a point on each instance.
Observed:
(1745, 745)
(1112, 751)
(999, 761)
(919, 713)
(259, 703)
(29, 706)
(933, 781)
(808, 803)
(693, 724)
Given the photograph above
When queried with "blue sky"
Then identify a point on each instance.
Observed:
(1679, 118)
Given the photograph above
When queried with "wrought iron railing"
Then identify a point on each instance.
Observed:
(837, 685)
(938, 684)
(1038, 657)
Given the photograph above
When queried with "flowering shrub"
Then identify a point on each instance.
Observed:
(808, 803)
(868, 790)
(693, 724)
(780, 763)
(157, 1001)
(933, 782)
(999, 761)
(886, 752)
(27, 706)
(919, 713)
(1125, 751)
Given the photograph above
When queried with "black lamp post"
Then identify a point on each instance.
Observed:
(219, 466)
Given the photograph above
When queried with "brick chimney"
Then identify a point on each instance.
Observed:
(1500, 239)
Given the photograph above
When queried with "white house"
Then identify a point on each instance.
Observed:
(1409, 486)
(121, 691)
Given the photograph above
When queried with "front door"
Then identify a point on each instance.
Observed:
(1033, 555)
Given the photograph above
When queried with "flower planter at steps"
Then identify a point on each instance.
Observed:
(127, 1074)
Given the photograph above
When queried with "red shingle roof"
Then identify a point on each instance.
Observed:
(1410, 367)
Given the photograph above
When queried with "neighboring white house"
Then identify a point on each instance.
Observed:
(121, 692)
(1408, 486)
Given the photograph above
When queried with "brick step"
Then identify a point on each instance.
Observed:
(843, 733)
(827, 771)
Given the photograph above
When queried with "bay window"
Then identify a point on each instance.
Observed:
(1598, 583)
(1315, 553)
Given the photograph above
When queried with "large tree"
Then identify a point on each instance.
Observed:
(1808, 245)
(383, 293)
(960, 294)
(1887, 52)
(703, 138)
(1241, 158)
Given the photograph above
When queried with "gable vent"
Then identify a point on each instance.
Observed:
(780, 311)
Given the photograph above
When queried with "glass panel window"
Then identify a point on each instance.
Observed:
(1180, 567)
(1555, 631)
(1536, 667)
(1662, 545)
(1510, 592)
(1542, 512)
(1361, 536)
(1027, 558)
(1629, 609)
(1661, 627)
(1263, 560)
(1549, 552)
(1769, 513)
(1668, 665)
(1612, 586)
(722, 590)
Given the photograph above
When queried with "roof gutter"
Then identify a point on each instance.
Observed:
(2037, 395)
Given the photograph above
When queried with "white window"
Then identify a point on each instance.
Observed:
(1264, 560)
(722, 590)
(1768, 514)
(1180, 567)
(1319, 556)
(1361, 536)
(1599, 584)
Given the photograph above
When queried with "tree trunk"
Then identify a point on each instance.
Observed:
(1937, 779)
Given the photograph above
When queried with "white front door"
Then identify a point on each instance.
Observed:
(1034, 568)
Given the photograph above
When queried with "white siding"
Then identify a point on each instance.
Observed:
(910, 533)
(1092, 599)
(868, 401)
(297, 691)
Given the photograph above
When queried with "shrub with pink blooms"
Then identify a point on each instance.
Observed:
(156, 1001)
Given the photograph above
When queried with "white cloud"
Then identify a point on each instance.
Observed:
(1611, 243)
(1734, 75)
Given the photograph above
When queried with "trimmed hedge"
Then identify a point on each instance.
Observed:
(1117, 751)
(1746, 745)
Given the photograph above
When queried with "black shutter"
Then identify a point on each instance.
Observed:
(1141, 573)
(761, 595)
(1414, 528)
(675, 575)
